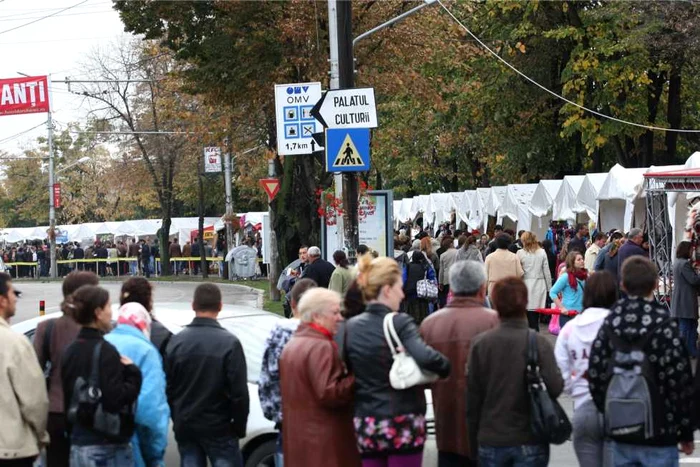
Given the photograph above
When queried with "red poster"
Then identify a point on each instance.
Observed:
(25, 95)
(57, 195)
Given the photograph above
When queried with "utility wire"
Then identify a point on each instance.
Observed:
(10, 138)
(558, 96)
(43, 17)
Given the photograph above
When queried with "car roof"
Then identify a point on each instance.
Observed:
(173, 315)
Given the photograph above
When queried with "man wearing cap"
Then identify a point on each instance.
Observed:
(24, 405)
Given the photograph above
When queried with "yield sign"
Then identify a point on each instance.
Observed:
(271, 187)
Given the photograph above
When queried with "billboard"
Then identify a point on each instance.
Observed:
(24, 95)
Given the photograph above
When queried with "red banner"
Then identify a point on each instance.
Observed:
(25, 95)
(57, 195)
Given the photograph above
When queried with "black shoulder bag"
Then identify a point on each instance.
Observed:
(548, 421)
(46, 352)
(86, 403)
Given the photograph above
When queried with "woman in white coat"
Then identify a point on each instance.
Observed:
(537, 277)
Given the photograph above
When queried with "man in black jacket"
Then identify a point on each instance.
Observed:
(318, 269)
(207, 386)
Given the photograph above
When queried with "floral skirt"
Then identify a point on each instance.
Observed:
(399, 433)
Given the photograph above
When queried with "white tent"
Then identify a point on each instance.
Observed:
(515, 206)
(588, 194)
(616, 198)
(679, 202)
(541, 206)
(476, 209)
(80, 232)
(462, 201)
(439, 209)
(404, 213)
(565, 207)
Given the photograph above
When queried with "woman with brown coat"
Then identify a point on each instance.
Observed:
(317, 390)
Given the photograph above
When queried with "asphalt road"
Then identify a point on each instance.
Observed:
(33, 292)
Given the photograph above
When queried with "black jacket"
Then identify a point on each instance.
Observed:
(120, 384)
(160, 336)
(78, 253)
(320, 271)
(206, 374)
(369, 357)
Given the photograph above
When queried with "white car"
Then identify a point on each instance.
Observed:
(252, 327)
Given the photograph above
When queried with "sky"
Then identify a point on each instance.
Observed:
(53, 46)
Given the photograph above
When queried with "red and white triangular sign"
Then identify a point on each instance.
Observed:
(271, 187)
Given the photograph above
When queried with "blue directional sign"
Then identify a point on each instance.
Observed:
(347, 150)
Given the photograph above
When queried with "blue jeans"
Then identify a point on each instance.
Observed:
(632, 455)
(279, 455)
(221, 452)
(689, 333)
(134, 266)
(527, 455)
(108, 455)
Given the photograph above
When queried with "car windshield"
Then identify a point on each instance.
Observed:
(252, 331)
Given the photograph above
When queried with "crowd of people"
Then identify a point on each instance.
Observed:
(344, 377)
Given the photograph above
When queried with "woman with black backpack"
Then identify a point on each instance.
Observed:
(100, 387)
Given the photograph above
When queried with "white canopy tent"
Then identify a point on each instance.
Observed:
(616, 198)
(493, 202)
(476, 209)
(439, 209)
(541, 206)
(588, 194)
(679, 202)
(462, 202)
(565, 207)
(515, 206)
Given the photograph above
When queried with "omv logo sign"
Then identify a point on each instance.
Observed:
(297, 89)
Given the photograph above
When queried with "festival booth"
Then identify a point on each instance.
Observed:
(680, 202)
(587, 197)
(565, 207)
(493, 202)
(462, 202)
(541, 206)
(403, 215)
(439, 209)
(616, 199)
(514, 209)
(475, 221)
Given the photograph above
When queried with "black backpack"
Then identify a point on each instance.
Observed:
(632, 405)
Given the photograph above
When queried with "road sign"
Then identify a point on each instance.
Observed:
(347, 108)
(295, 125)
(347, 150)
(212, 159)
(271, 187)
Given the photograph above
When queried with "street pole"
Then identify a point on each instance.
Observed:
(335, 84)
(346, 67)
(273, 269)
(52, 211)
(229, 203)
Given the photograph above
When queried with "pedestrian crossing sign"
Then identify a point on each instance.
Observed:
(347, 150)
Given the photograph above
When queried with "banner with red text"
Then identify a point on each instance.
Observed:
(25, 95)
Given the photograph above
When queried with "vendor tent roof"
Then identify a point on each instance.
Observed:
(565, 206)
(543, 197)
(516, 201)
(622, 184)
(588, 194)
(439, 208)
(476, 208)
(494, 200)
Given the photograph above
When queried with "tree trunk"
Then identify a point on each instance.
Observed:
(646, 140)
(164, 247)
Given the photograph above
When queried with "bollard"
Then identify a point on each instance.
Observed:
(42, 307)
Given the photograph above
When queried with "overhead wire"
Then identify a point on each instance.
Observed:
(559, 96)
(17, 135)
(43, 17)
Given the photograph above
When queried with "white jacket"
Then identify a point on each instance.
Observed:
(572, 351)
(24, 405)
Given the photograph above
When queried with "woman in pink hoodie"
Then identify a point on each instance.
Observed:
(572, 352)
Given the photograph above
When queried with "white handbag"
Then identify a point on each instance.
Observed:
(425, 288)
(405, 372)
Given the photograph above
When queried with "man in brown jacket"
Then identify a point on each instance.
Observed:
(450, 332)
(317, 391)
(175, 252)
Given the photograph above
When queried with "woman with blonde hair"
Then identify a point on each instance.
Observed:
(389, 423)
(537, 277)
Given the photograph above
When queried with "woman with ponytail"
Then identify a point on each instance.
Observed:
(117, 388)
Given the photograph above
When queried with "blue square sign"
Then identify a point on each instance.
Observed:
(347, 150)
